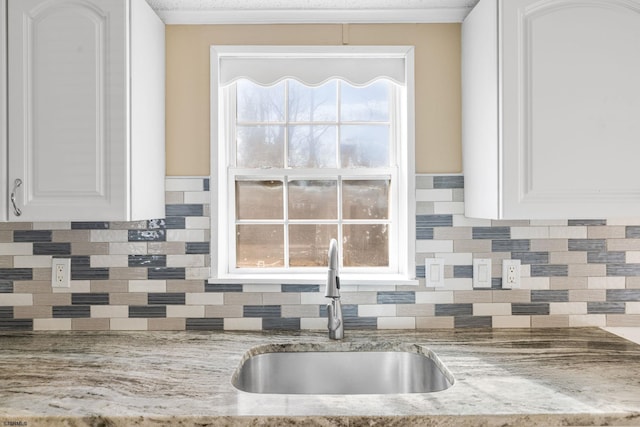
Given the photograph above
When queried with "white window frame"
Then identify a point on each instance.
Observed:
(402, 243)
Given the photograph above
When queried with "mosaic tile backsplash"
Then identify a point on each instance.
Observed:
(152, 275)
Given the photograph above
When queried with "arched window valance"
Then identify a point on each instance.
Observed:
(311, 65)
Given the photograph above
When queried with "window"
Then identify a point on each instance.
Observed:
(310, 144)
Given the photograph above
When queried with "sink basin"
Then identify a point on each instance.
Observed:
(293, 370)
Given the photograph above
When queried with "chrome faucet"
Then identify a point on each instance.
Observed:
(334, 308)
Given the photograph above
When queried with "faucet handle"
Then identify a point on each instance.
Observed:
(333, 320)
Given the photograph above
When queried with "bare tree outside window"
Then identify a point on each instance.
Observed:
(317, 163)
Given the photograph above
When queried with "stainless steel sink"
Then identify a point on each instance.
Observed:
(410, 370)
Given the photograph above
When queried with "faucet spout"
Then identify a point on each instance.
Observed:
(335, 322)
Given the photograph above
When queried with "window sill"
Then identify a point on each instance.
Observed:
(347, 281)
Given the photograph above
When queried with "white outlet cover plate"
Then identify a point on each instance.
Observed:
(482, 273)
(65, 263)
(506, 265)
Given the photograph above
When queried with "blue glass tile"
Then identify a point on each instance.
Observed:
(454, 310)
(606, 257)
(594, 245)
(16, 324)
(549, 270)
(623, 294)
(208, 324)
(71, 311)
(6, 312)
(491, 233)
(600, 307)
(32, 236)
(147, 260)
(360, 323)
(300, 288)
(472, 322)
(463, 271)
(420, 271)
(424, 233)
(206, 184)
(222, 287)
(623, 269)
(633, 232)
(530, 309)
(448, 181)
(90, 299)
(87, 225)
(6, 287)
(197, 248)
(396, 297)
(423, 221)
(166, 273)
(52, 248)
(281, 324)
(184, 210)
(176, 223)
(496, 284)
(166, 298)
(16, 273)
(147, 311)
(261, 311)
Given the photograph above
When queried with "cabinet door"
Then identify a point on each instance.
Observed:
(571, 109)
(3, 111)
(68, 106)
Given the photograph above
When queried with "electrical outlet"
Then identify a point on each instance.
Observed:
(60, 272)
(510, 273)
(482, 273)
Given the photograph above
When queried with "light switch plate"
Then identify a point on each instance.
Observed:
(434, 272)
(482, 273)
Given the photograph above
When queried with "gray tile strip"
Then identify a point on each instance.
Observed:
(491, 232)
(535, 309)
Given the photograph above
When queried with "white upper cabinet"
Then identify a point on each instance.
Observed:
(551, 109)
(85, 111)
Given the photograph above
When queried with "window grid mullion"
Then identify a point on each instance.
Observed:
(285, 183)
(285, 203)
(339, 166)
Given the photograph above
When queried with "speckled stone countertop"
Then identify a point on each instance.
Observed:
(502, 377)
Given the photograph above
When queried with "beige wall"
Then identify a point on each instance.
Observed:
(437, 57)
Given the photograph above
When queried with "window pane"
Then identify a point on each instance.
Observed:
(364, 146)
(313, 200)
(309, 244)
(366, 245)
(259, 200)
(312, 104)
(260, 246)
(365, 199)
(268, 141)
(260, 104)
(365, 104)
(312, 146)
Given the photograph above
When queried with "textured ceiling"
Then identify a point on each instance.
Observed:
(214, 11)
(307, 4)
